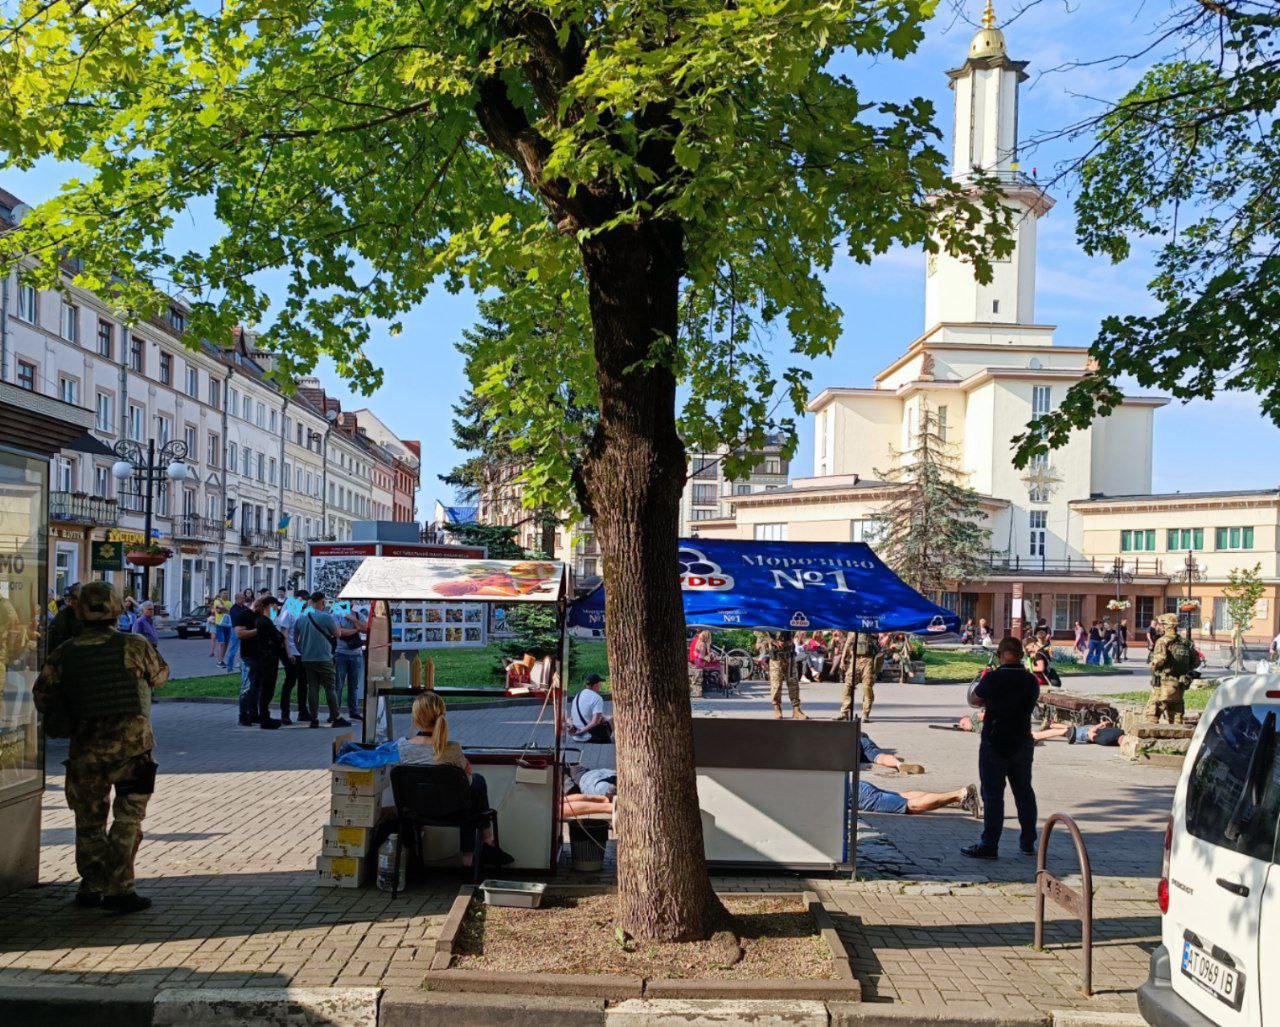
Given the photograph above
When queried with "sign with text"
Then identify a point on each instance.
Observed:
(106, 556)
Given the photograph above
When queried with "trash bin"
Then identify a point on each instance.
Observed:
(587, 841)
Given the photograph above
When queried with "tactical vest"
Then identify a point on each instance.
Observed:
(96, 681)
(1178, 656)
(866, 645)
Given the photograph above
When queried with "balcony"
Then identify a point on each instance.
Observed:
(194, 528)
(259, 539)
(1086, 567)
(79, 508)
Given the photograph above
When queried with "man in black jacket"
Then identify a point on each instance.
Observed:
(1008, 696)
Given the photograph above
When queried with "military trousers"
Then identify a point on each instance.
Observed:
(778, 670)
(866, 668)
(105, 855)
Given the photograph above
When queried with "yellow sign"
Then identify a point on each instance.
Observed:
(133, 538)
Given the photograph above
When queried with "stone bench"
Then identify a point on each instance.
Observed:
(889, 673)
(1162, 744)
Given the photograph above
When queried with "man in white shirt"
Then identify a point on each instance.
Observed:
(587, 722)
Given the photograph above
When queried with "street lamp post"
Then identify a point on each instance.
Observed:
(1190, 572)
(148, 468)
(1120, 575)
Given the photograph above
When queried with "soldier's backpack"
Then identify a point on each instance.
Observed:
(1181, 658)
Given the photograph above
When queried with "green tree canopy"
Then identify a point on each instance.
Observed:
(625, 161)
(1188, 161)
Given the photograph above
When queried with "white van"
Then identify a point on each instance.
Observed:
(1219, 964)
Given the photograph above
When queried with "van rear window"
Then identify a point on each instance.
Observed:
(1222, 806)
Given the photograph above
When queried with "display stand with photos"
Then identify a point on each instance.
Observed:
(524, 782)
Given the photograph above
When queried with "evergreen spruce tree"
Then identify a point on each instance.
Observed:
(931, 532)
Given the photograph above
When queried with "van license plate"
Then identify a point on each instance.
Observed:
(1212, 974)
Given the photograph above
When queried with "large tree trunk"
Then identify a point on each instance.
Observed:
(634, 474)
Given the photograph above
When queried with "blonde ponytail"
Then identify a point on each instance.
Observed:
(429, 716)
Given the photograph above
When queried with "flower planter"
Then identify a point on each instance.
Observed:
(145, 558)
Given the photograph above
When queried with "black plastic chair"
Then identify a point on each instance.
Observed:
(437, 796)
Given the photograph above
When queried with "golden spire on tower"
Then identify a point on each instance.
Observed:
(989, 16)
(989, 40)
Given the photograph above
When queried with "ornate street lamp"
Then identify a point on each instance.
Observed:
(1191, 572)
(1119, 575)
(148, 468)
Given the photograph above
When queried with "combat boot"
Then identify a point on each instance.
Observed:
(796, 713)
(777, 710)
(129, 902)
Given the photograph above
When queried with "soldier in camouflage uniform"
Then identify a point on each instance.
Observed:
(1173, 663)
(782, 668)
(862, 657)
(96, 690)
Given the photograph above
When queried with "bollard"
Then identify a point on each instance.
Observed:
(1065, 896)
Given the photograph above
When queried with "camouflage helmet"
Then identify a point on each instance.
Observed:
(98, 601)
(1168, 620)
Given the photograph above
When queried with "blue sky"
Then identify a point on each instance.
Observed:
(1198, 446)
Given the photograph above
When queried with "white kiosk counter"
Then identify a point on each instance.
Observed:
(776, 793)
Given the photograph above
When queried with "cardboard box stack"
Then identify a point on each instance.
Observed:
(346, 855)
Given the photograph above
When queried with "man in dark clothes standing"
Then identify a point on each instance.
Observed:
(243, 626)
(1008, 694)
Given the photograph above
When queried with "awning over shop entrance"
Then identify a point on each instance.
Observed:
(790, 586)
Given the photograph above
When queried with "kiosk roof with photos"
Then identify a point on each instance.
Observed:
(414, 579)
(790, 586)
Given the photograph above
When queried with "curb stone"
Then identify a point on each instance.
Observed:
(1088, 1018)
(405, 1007)
(75, 1005)
(715, 1013)
(267, 1007)
(875, 1014)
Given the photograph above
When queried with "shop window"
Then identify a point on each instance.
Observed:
(1067, 610)
(1145, 611)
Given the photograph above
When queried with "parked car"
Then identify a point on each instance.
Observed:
(195, 623)
(1219, 894)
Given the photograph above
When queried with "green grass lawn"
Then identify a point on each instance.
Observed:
(469, 668)
(1192, 698)
(946, 665)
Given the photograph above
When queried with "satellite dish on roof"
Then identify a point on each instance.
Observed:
(20, 211)
(1034, 364)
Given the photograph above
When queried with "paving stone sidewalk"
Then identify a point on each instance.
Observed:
(231, 840)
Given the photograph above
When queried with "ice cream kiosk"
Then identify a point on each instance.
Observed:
(417, 605)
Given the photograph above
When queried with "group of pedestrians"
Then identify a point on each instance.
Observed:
(318, 651)
(1103, 643)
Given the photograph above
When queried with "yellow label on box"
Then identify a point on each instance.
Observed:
(359, 779)
(351, 835)
(341, 866)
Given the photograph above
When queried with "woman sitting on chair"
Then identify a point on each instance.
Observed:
(430, 746)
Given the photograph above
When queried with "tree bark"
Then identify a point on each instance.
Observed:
(633, 475)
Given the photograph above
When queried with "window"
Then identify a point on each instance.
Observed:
(262, 467)
(215, 392)
(246, 465)
(995, 306)
(771, 532)
(942, 423)
(272, 420)
(1184, 538)
(137, 422)
(193, 381)
(262, 416)
(231, 456)
(189, 437)
(137, 358)
(69, 390)
(704, 467)
(64, 474)
(26, 376)
(1041, 398)
(106, 339)
(299, 433)
(1039, 521)
(102, 485)
(1220, 796)
(211, 451)
(1233, 538)
(286, 476)
(1221, 618)
(773, 465)
(1140, 540)
(164, 429)
(70, 327)
(106, 413)
(233, 403)
(865, 530)
(28, 302)
(704, 495)
(177, 319)
(166, 368)
(211, 509)
(1146, 610)
(1066, 611)
(271, 471)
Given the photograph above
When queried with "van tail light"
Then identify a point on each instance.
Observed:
(1162, 890)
